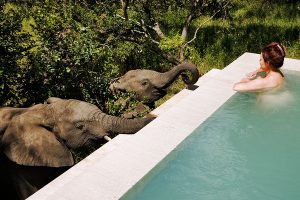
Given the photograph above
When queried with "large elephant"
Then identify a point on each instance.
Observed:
(42, 135)
(150, 85)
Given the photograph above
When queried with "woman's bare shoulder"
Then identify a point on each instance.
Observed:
(276, 79)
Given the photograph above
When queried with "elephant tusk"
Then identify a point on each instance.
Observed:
(107, 138)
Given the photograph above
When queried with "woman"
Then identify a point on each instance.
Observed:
(268, 75)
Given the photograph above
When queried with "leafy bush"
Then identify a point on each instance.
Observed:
(68, 50)
(71, 49)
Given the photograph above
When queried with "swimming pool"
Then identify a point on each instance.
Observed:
(242, 151)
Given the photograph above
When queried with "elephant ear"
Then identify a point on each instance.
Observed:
(28, 143)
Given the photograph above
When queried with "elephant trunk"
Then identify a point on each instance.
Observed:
(118, 125)
(164, 80)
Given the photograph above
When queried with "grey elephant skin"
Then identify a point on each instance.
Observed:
(38, 139)
(150, 85)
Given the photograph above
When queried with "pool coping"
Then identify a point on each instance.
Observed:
(112, 170)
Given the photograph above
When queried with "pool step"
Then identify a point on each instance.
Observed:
(212, 73)
(184, 93)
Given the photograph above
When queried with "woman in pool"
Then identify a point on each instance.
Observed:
(268, 75)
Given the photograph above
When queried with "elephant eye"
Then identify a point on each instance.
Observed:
(79, 126)
(144, 83)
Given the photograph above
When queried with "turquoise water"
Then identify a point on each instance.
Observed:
(242, 152)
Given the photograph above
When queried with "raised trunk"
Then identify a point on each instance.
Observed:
(163, 80)
(118, 125)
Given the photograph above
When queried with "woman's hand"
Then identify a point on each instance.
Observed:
(253, 74)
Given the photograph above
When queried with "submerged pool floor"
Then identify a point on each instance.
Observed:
(248, 149)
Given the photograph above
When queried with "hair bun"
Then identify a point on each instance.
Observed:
(284, 48)
(281, 48)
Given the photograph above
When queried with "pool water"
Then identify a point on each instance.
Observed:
(243, 151)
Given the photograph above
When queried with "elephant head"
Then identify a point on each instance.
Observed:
(150, 85)
(42, 135)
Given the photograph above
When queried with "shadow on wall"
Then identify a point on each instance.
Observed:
(17, 179)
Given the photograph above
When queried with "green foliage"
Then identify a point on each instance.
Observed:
(72, 49)
(171, 44)
(121, 103)
(252, 26)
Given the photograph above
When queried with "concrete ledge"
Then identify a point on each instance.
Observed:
(112, 170)
(291, 64)
(210, 74)
(171, 102)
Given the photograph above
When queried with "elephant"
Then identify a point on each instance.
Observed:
(150, 85)
(42, 136)
(19, 181)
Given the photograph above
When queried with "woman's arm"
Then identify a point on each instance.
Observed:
(256, 85)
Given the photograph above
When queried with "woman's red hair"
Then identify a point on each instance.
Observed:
(274, 53)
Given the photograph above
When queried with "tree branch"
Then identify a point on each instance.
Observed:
(125, 4)
(154, 24)
(196, 32)
(158, 31)
(146, 30)
(189, 19)
(143, 27)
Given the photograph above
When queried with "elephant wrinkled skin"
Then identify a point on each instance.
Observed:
(42, 135)
(150, 85)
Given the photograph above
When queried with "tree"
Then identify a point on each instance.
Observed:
(149, 17)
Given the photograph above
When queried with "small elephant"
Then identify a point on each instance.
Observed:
(42, 135)
(150, 85)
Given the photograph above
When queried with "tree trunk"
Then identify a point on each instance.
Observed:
(125, 4)
(185, 28)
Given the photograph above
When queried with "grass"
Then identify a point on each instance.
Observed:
(253, 24)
